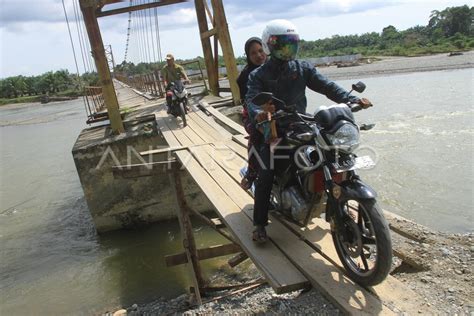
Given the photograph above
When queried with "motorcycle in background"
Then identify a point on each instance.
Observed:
(179, 100)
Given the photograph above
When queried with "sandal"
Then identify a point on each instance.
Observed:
(246, 183)
(259, 235)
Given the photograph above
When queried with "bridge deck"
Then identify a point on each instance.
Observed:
(294, 257)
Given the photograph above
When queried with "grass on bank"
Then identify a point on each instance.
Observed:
(37, 98)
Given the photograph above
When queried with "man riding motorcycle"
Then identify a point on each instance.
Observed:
(287, 78)
(171, 73)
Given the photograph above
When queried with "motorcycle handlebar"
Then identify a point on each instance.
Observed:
(275, 116)
(355, 107)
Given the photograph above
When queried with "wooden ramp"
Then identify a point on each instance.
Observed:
(294, 257)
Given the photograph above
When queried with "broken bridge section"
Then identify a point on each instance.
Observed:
(294, 258)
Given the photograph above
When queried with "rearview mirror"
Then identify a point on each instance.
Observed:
(359, 87)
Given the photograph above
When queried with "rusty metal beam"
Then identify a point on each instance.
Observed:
(88, 8)
(226, 45)
(208, 33)
(212, 72)
(102, 3)
(138, 7)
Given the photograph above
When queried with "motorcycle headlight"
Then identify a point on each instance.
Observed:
(346, 138)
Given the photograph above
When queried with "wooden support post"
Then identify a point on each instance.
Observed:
(88, 8)
(204, 253)
(155, 88)
(212, 74)
(237, 259)
(158, 83)
(213, 225)
(187, 232)
(226, 45)
(216, 38)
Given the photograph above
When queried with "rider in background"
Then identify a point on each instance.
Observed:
(255, 57)
(171, 73)
(287, 78)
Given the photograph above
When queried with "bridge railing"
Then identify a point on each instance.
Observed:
(95, 104)
(153, 83)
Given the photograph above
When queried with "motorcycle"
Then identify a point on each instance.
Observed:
(319, 176)
(179, 100)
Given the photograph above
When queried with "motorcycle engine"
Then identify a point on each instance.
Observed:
(294, 203)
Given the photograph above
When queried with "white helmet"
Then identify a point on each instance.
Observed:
(280, 40)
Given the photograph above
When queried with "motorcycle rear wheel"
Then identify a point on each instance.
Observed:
(182, 113)
(364, 244)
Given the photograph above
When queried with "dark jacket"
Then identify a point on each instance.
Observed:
(243, 79)
(288, 81)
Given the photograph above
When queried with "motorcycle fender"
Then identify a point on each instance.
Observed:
(350, 190)
(356, 190)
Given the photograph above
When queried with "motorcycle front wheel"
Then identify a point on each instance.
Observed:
(182, 113)
(364, 244)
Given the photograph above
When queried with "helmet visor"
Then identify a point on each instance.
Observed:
(284, 47)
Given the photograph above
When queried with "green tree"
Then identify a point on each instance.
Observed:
(62, 80)
(452, 20)
(6, 88)
(31, 85)
(19, 85)
(45, 83)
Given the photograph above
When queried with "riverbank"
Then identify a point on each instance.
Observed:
(66, 96)
(383, 66)
(442, 277)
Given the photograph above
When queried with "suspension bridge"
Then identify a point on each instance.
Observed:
(211, 149)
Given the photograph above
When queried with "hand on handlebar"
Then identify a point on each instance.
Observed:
(266, 113)
(365, 103)
(268, 107)
(263, 116)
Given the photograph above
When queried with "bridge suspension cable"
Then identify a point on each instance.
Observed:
(143, 44)
(79, 36)
(158, 42)
(128, 33)
(81, 85)
(151, 34)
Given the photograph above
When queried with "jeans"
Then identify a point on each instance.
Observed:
(263, 185)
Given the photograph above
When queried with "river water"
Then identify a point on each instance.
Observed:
(53, 262)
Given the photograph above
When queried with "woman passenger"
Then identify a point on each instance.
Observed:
(255, 57)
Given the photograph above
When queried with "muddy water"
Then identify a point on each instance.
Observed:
(53, 262)
(423, 144)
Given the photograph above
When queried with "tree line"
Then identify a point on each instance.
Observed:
(447, 30)
(51, 83)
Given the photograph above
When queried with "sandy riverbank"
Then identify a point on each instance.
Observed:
(397, 65)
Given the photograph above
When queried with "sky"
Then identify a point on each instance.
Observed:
(34, 35)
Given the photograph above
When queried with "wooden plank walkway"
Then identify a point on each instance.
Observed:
(294, 257)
